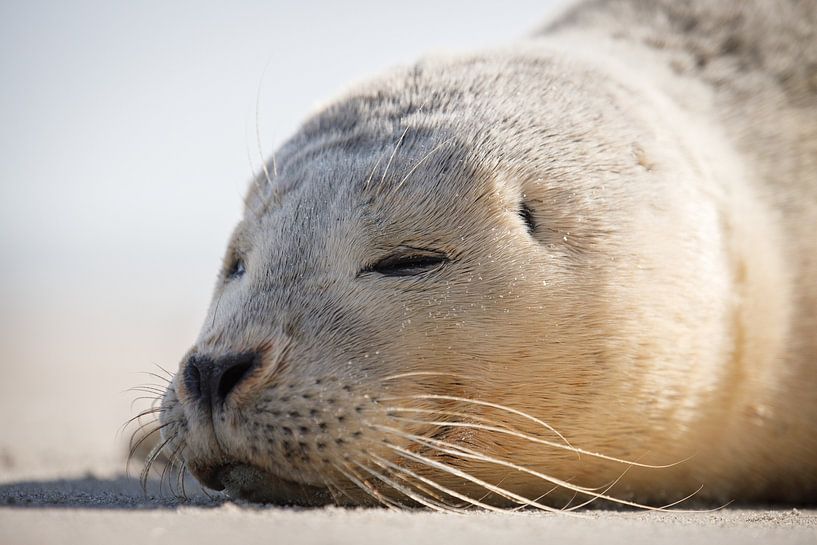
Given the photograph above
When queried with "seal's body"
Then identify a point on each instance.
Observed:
(582, 266)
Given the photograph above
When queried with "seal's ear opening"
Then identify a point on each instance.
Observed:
(527, 216)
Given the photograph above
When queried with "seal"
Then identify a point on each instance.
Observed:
(578, 268)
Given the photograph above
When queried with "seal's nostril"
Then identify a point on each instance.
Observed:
(233, 370)
(209, 381)
(196, 367)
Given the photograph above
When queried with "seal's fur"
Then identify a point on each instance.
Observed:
(626, 299)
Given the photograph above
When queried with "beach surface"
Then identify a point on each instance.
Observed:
(95, 508)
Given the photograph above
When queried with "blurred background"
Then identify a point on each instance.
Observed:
(127, 136)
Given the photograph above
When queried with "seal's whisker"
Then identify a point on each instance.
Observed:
(140, 428)
(604, 490)
(421, 161)
(152, 457)
(427, 373)
(527, 437)
(215, 311)
(393, 153)
(416, 491)
(180, 475)
(470, 419)
(508, 495)
(441, 488)
(161, 387)
(464, 452)
(169, 466)
(152, 399)
(134, 447)
(400, 473)
(332, 488)
(492, 405)
(688, 497)
(338, 489)
(390, 503)
(498, 483)
(402, 489)
(352, 477)
(148, 389)
(154, 409)
(608, 487)
(380, 158)
(572, 498)
(142, 414)
(371, 174)
(165, 380)
(539, 498)
(175, 461)
(475, 420)
(138, 418)
(439, 504)
(258, 134)
(169, 374)
(515, 498)
(538, 421)
(355, 482)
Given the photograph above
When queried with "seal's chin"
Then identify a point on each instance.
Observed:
(246, 482)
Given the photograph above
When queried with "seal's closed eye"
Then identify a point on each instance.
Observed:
(407, 261)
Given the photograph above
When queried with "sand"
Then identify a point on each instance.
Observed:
(97, 509)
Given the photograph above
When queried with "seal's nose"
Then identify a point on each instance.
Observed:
(210, 380)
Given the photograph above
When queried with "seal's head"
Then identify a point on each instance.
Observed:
(462, 284)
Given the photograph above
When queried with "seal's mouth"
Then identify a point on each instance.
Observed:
(246, 482)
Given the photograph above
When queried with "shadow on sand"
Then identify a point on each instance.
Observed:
(126, 492)
(90, 492)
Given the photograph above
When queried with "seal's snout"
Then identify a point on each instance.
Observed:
(210, 380)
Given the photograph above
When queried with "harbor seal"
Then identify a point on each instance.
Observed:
(581, 267)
